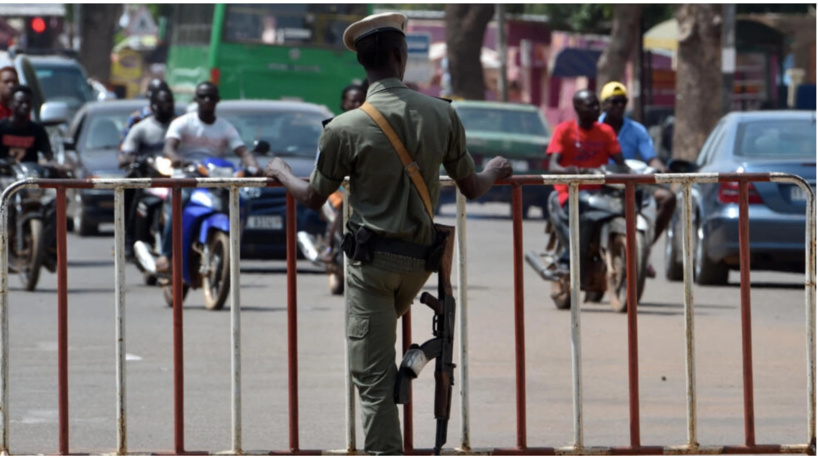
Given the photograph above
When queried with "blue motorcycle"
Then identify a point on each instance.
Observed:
(205, 232)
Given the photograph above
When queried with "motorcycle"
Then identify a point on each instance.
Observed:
(603, 265)
(325, 251)
(205, 232)
(148, 216)
(32, 222)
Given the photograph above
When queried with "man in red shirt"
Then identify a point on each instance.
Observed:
(576, 147)
(8, 79)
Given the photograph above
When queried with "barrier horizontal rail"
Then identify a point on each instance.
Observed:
(517, 182)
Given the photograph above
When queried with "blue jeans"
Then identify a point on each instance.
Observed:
(167, 231)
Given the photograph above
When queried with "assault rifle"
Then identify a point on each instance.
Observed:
(440, 348)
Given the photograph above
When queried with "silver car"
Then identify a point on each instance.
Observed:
(752, 142)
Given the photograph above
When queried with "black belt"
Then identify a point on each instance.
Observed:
(408, 249)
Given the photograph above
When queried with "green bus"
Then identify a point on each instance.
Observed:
(264, 51)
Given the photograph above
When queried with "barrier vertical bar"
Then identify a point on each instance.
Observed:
(519, 310)
(576, 347)
(408, 419)
(235, 318)
(178, 341)
(690, 355)
(463, 306)
(633, 347)
(4, 319)
(348, 385)
(292, 323)
(810, 311)
(62, 321)
(119, 295)
(746, 322)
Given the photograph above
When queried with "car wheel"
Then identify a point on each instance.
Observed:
(705, 271)
(674, 269)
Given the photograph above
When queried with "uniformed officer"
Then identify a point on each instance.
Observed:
(388, 212)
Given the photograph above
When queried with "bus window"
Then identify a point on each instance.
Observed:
(193, 24)
(299, 24)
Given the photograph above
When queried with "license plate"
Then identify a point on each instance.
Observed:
(273, 222)
(519, 165)
(797, 194)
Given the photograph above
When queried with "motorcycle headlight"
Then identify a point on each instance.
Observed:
(250, 193)
(163, 166)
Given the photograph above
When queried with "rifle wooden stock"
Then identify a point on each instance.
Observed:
(443, 395)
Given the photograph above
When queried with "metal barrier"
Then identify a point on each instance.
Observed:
(629, 181)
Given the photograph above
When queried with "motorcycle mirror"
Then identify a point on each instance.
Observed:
(261, 147)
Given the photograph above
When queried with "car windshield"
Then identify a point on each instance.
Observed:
(63, 84)
(104, 131)
(498, 120)
(289, 133)
(772, 139)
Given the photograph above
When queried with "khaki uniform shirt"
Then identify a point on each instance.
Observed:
(382, 196)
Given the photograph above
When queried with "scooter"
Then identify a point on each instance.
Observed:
(603, 265)
(33, 217)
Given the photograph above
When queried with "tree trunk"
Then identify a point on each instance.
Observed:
(465, 28)
(698, 78)
(98, 26)
(624, 33)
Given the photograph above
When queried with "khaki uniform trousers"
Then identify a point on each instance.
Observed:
(379, 293)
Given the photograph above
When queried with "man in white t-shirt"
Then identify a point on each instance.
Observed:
(200, 131)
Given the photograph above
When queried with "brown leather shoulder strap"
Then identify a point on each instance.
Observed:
(409, 166)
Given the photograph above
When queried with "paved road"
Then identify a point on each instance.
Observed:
(778, 344)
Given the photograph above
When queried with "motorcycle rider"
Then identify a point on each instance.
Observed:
(636, 144)
(576, 147)
(8, 80)
(199, 131)
(351, 98)
(145, 112)
(144, 139)
(22, 139)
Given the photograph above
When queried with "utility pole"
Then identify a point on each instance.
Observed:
(728, 55)
(502, 49)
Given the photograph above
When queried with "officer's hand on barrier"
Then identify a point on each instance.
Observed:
(276, 168)
(501, 166)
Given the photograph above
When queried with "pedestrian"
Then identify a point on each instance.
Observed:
(199, 131)
(391, 223)
(8, 80)
(578, 146)
(636, 144)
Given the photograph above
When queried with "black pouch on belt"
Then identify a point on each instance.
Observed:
(358, 247)
(435, 255)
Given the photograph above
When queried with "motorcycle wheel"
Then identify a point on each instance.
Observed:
(617, 279)
(674, 270)
(167, 292)
(216, 283)
(32, 241)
